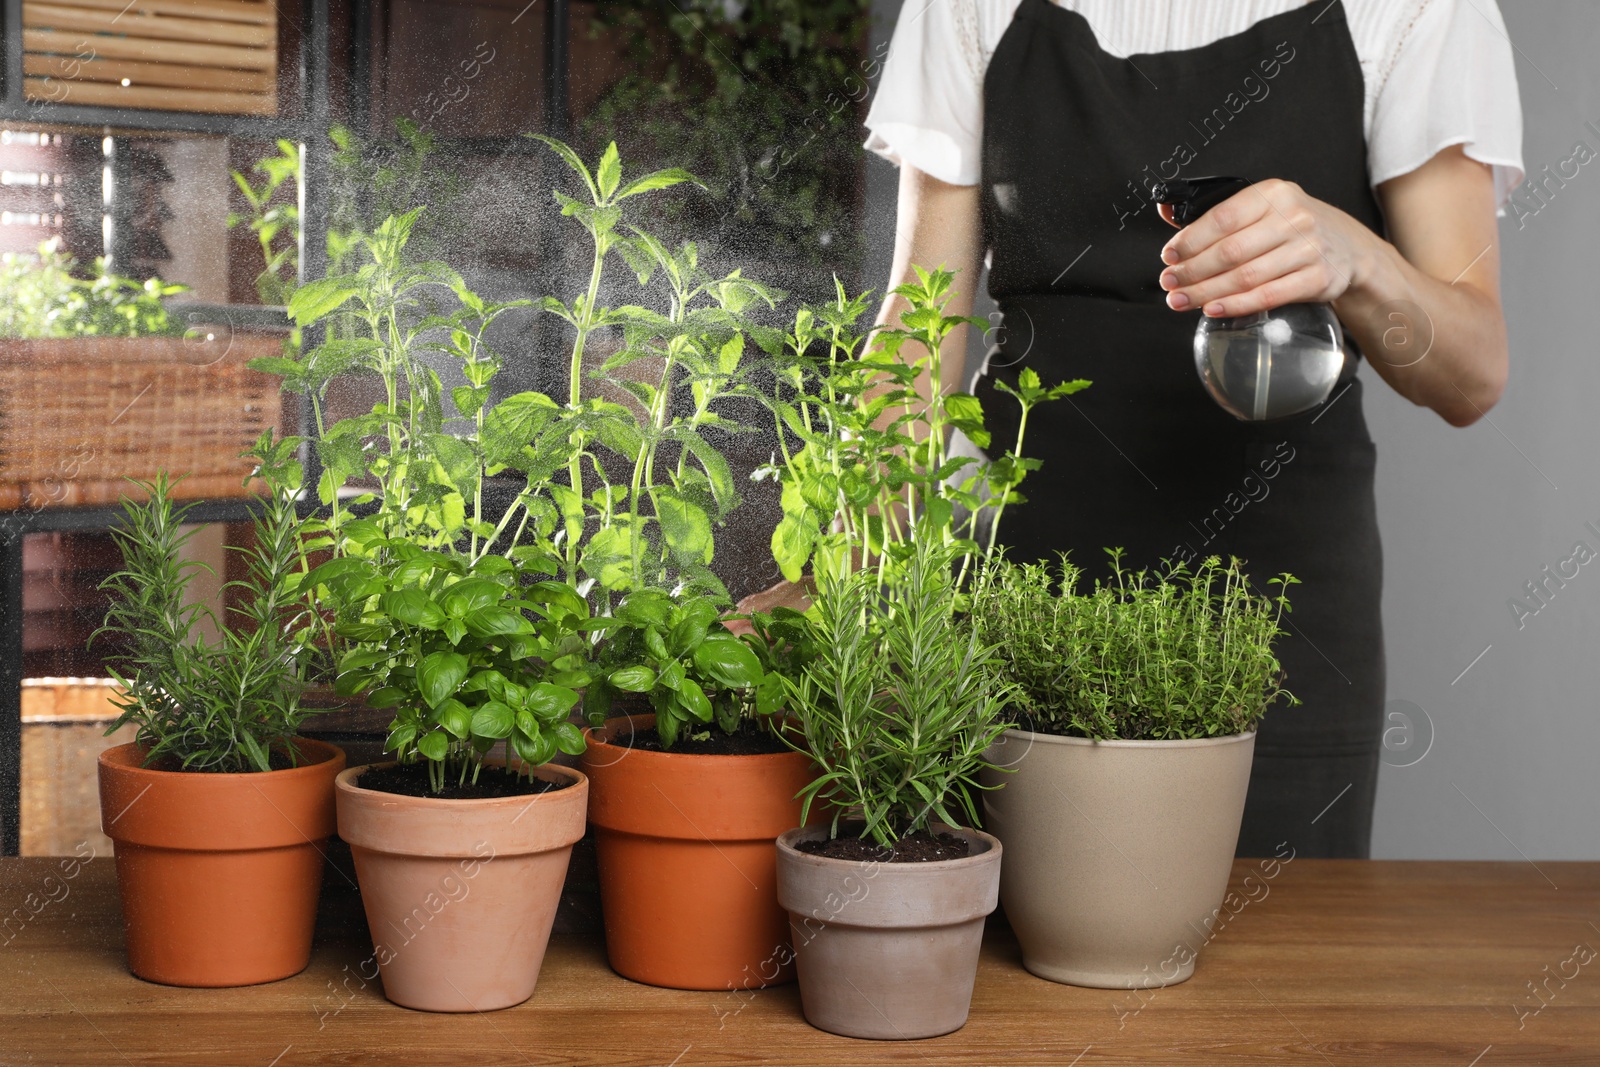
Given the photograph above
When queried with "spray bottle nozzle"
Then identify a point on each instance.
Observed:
(1190, 198)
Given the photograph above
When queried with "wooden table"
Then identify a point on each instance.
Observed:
(1331, 962)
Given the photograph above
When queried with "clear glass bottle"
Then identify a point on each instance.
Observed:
(1269, 365)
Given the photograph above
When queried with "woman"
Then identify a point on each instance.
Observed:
(1382, 136)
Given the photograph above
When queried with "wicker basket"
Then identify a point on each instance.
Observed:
(79, 416)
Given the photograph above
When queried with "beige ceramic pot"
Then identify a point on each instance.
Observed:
(460, 895)
(887, 950)
(1117, 852)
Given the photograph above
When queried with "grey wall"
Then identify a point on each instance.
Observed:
(1499, 762)
(1470, 516)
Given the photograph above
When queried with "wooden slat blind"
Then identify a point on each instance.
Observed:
(215, 56)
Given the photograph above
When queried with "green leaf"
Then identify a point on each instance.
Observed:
(550, 702)
(455, 718)
(686, 635)
(496, 622)
(387, 697)
(434, 745)
(635, 679)
(646, 607)
(770, 695)
(470, 594)
(693, 699)
(571, 158)
(685, 525)
(314, 300)
(512, 423)
(569, 739)
(660, 179)
(792, 541)
(469, 401)
(439, 675)
(493, 719)
(412, 607)
(276, 365)
(456, 460)
(253, 751)
(535, 750)
(609, 173)
(728, 660)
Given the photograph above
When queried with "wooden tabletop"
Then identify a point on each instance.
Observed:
(1330, 962)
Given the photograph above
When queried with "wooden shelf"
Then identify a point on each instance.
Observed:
(1335, 962)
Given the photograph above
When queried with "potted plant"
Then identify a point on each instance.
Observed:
(1125, 792)
(439, 610)
(887, 904)
(902, 698)
(690, 783)
(217, 810)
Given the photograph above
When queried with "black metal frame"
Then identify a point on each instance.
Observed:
(308, 129)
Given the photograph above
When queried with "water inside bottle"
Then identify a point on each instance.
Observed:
(1271, 364)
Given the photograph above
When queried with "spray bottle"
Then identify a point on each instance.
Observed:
(1268, 365)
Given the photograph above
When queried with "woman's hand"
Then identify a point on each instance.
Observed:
(1425, 310)
(796, 595)
(1265, 246)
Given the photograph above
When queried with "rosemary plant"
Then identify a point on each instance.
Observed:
(901, 701)
(1180, 653)
(229, 703)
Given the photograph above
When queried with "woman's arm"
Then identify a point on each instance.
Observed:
(1425, 309)
(936, 225)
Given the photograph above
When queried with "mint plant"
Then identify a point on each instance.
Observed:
(871, 466)
(476, 623)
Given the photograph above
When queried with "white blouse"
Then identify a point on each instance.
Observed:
(1438, 73)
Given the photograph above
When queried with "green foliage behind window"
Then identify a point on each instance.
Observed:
(42, 295)
(760, 99)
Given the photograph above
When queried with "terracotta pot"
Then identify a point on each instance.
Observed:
(460, 894)
(219, 873)
(887, 950)
(688, 877)
(1117, 852)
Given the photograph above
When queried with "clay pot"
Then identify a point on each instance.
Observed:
(887, 950)
(460, 894)
(219, 873)
(1117, 852)
(688, 876)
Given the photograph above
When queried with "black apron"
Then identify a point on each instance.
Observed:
(1073, 138)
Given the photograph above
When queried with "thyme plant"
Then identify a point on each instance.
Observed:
(229, 703)
(1170, 654)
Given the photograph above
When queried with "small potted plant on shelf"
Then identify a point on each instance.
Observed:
(690, 783)
(902, 697)
(1124, 792)
(117, 339)
(217, 810)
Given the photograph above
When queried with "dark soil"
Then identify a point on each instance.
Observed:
(920, 847)
(277, 760)
(411, 780)
(751, 739)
